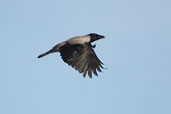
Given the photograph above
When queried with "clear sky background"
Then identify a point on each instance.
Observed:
(136, 53)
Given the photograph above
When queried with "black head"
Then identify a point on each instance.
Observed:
(95, 37)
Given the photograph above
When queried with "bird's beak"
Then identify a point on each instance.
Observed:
(101, 36)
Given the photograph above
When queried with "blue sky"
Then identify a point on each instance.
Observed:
(136, 53)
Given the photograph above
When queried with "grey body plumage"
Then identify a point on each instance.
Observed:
(78, 52)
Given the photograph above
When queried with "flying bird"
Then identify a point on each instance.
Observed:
(78, 52)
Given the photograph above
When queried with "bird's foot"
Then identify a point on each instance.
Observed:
(93, 46)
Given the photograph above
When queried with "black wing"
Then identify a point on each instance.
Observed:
(82, 58)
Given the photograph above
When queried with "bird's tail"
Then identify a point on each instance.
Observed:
(44, 54)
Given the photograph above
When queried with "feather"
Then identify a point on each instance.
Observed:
(82, 58)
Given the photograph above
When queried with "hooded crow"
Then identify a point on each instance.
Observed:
(78, 52)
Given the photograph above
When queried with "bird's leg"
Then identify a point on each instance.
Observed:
(93, 46)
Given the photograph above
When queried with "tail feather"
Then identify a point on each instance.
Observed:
(44, 54)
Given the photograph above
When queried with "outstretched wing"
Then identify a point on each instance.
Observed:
(82, 58)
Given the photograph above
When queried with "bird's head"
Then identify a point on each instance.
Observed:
(94, 37)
